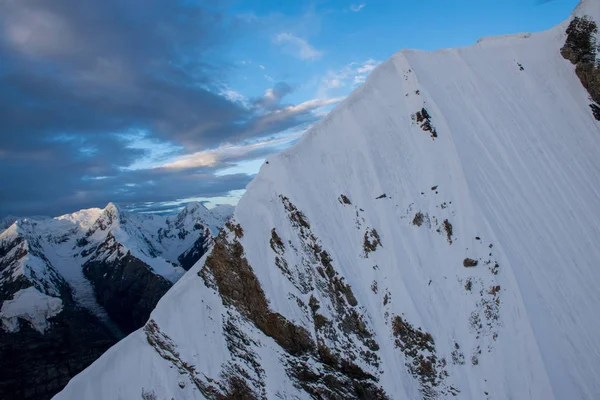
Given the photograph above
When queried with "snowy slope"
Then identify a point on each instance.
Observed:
(214, 218)
(434, 236)
(178, 235)
(30, 305)
(7, 221)
(220, 215)
(83, 218)
(95, 273)
(23, 262)
(132, 232)
(51, 251)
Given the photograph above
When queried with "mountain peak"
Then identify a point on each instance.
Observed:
(194, 206)
(7, 221)
(194, 210)
(223, 207)
(112, 211)
(111, 207)
(109, 217)
(411, 245)
(85, 218)
(92, 276)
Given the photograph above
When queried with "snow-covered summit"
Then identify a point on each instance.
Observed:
(90, 276)
(7, 221)
(84, 218)
(222, 212)
(191, 213)
(197, 212)
(32, 306)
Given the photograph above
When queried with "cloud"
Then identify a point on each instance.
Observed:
(80, 79)
(277, 118)
(234, 96)
(119, 65)
(66, 179)
(297, 47)
(274, 95)
(171, 207)
(311, 105)
(227, 154)
(357, 7)
(347, 77)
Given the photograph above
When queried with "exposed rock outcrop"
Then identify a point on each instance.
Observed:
(37, 366)
(580, 49)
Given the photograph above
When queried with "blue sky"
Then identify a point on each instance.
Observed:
(154, 104)
(341, 32)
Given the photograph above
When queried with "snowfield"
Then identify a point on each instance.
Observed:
(448, 207)
(32, 306)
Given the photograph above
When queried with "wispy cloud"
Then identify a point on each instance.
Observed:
(77, 81)
(273, 96)
(297, 47)
(309, 105)
(234, 96)
(357, 7)
(348, 77)
(226, 153)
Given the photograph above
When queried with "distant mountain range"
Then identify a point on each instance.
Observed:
(72, 286)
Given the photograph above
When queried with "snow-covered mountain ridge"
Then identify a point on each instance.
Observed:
(96, 273)
(435, 236)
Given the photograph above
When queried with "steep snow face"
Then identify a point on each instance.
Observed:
(169, 245)
(221, 214)
(130, 233)
(195, 212)
(182, 230)
(434, 236)
(84, 218)
(23, 263)
(7, 222)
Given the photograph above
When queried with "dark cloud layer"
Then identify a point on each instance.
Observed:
(78, 74)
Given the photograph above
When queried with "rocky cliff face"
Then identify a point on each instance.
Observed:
(72, 286)
(37, 365)
(126, 288)
(433, 237)
(580, 48)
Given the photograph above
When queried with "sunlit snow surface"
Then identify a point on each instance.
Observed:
(515, 169)
(50, 254)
